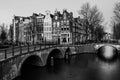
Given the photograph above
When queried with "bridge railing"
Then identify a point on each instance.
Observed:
(20, 50)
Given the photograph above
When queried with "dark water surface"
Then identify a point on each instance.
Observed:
(80, 67)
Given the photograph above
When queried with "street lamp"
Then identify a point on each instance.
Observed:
(45, 42)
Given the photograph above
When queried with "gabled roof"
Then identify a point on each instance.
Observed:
(35, 14)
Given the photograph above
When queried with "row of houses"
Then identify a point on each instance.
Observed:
(59, 27)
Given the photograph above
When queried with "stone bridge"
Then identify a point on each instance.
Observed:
(10, 67)
(97, 46)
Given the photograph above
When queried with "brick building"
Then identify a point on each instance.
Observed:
(66, 28)
(39, 28)
(78, 31)
(56, 29)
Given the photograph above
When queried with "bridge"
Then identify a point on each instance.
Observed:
(13, 59)
(97, 46)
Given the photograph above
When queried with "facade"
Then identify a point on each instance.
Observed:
(47, 29)
(39, 28)
(21, 34)
(25, 33)
(16, 21)
(34, 27)
(21, 30)
(28, 29)
(78, 31)
(66, 25)
(56, 29)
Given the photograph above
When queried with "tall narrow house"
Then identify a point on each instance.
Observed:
(47, 29)
(66, 27)
(56, 26)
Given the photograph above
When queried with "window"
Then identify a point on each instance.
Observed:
(58, 24)
(67, 28)
(68, 39)
(65, 16)
(50, 29)
(55, 17)
(64, 28)
(61, 22)
(54, 24)
(67, 22)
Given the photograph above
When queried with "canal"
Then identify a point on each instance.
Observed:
(79, 67)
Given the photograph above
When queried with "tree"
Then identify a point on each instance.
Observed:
(11, 32)
(99, 33)
(92, 18)
(116, 31)
(3, 35)
(116, 21)
(117, 12)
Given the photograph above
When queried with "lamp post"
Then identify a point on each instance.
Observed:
(45, 42)
(14, 30)
(13, 49)
(41, 40)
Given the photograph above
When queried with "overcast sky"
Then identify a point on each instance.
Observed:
(26, 7)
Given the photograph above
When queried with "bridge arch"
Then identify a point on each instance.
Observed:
(68, 50)
(67, 53)
(56, 54)
(29, 60)
(107, 52)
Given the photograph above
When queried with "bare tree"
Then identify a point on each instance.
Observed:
(116, 21)
(92, 18)
(99, 33)
(3, 35)
(116, 31)
(117, 12)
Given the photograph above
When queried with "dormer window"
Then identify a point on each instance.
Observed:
(65, 16)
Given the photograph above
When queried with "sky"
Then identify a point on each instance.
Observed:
(8, 8)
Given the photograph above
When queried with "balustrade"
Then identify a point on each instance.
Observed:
(22, 49)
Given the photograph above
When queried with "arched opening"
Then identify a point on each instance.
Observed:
(67, 53)
(54, 57)
(29, 65)
(107, 53)
(64, 40)
(54, 61)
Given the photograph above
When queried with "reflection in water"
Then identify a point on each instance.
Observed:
(108, 52)
(80, 67)
(107, 70)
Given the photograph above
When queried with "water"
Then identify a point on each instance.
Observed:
(80, 67)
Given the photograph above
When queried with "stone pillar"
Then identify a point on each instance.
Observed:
(67, 55)
(52, 61)
(14, 30)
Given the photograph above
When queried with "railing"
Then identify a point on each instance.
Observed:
(21, 50)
